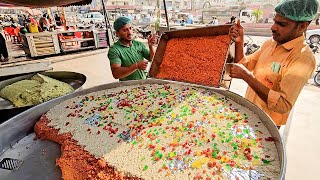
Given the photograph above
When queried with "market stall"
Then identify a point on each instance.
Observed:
(63, 41)
(100, 38)
(68, 40)
(73, 40)
(213, 74)
(41, 44)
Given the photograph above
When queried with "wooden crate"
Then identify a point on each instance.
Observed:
(44, 43)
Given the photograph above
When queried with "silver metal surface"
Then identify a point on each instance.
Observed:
(21, 125)
(39, 160)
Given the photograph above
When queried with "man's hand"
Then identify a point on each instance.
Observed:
(152, 40)
(236, 32)
(239, 71)
(142, 65)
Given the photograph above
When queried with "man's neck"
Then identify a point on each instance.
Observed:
(126, 43)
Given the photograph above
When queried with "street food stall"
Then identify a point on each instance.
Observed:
(62, 41)
(54, 42)
(198, 65)
(73, 40)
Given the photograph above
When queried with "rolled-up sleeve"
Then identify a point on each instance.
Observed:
(292, 82)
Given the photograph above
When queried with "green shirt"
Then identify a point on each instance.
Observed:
(128, 55)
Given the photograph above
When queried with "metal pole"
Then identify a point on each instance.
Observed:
(165, 10)
(106, 20)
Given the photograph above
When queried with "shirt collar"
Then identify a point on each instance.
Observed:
(291, 44)
(121, 44)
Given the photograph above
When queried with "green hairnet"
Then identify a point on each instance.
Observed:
(121, 21)
(298, 10)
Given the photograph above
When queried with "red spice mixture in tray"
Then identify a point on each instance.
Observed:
(75, 162)
(197, 60)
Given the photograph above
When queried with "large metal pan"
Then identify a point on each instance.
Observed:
(7, 109)
(15, 134)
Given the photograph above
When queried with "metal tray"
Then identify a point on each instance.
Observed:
(225, 79)
(7, 109)
(15, 134)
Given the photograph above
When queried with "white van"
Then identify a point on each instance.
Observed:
(93, 17)
(246, 16)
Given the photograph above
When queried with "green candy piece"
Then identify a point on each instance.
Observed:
(145, 168)
(265, 161)
(214, 154)
(228, 167)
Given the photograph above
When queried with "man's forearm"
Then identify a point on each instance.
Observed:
(152, 52)
(239, 51)
(261, 90)
(122, 72)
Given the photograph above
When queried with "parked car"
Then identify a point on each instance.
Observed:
(313, 36)
(93, 17)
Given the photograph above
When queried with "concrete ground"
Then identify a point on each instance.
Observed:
(300, 135)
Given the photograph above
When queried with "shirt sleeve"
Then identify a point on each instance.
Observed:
(250, 61)
(114, 56)
(145, 52)
(292, 82)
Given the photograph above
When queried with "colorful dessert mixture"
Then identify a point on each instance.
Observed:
(159, 132)
(197, 60)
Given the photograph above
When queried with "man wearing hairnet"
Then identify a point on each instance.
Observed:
(127, 56)
(277, 72)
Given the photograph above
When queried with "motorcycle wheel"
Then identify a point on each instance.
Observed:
(317, 78)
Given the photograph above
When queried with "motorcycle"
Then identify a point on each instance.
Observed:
(144, 32)
(250, 46)
(314, 47)
(317, 76)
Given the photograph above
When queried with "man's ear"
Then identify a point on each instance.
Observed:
(117, 33)
(303, 26)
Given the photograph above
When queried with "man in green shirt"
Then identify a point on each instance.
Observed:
(127, 56)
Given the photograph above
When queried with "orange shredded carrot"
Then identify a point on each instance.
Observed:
(197, 60)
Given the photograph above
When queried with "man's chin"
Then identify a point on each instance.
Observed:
(275, 37)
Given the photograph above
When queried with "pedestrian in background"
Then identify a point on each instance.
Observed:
(3, 49)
